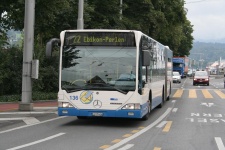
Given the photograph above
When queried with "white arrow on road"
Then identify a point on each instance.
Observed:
(208, 104)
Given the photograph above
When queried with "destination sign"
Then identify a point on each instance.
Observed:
(100, 39)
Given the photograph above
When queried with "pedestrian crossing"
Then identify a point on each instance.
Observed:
(203, 93)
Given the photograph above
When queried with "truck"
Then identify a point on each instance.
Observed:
(180, 64)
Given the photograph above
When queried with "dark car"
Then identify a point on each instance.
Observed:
(201, 77)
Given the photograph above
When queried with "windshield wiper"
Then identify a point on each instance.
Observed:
(107, 85)
(70, 90)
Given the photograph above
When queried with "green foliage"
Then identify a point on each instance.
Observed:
(44, 96)
(163, 20)
(10, 98)
(36, 96)
(10, 71)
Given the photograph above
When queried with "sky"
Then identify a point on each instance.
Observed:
(208, 19)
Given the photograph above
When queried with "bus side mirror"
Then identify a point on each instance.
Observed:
(146, 58)
(49, 46)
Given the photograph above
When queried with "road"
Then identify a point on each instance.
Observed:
(193, 119)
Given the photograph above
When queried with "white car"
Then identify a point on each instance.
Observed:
(176, 77)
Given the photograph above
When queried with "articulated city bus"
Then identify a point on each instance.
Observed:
(111, 73)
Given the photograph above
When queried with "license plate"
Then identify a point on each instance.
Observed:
(97, 114)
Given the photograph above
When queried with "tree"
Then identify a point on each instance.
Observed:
(103, 14)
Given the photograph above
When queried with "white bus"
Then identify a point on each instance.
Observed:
(111, 73)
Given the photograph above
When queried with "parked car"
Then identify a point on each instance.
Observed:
(201, 77)
(176, 77)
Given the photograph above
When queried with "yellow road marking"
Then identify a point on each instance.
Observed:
(178, 93)
(104, 146)
(192, 94)
(167, 127)
(206, 94)
(221, 94)
(135, 131)
(157, 148)
(116, 141)
(127, 135)
(141, 127)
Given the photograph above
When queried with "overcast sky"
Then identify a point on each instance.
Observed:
(208, 18)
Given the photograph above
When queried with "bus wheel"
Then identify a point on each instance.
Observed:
(146, 116)
(161, 104)
(168, 97)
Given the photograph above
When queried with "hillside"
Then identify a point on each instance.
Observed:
(209, 52)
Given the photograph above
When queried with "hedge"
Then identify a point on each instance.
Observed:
(36, 96)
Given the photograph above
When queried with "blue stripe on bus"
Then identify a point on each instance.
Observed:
(105, 113)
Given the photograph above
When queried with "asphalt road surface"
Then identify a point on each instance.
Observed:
(193, 119)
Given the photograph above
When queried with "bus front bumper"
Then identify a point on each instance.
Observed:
(101, 113)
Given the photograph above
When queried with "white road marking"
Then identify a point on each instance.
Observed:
(21, 127)
(208, 104)
(175, 110)
(126, 147)
(126, 140)
(36, 142)
(6, 119)
(219, 143)
(161, 124)
(31, 120)
(173, 101)
(27, 120)
(26, 113)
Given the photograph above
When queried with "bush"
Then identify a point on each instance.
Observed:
(43, 96)
(35, 96)
(10, 98)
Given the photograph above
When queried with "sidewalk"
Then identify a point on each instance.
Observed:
(9, 107)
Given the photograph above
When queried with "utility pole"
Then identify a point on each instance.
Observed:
(200, 60)
(121, 9)
(80, 20)
(28, 56)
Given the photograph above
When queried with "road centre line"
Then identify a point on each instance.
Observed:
(21, 127)
(219, 143)
(126, 140)
(36, 142)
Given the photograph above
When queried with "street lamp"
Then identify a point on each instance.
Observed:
(201, 62)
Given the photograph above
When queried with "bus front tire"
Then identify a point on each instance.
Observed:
(146, 116)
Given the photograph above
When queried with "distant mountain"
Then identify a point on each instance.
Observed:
(207, 52)
(222, 40)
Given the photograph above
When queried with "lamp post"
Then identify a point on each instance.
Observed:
(200, 60)
(80, 20)
(28, 56)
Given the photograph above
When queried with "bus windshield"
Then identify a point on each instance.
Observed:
(111, 68)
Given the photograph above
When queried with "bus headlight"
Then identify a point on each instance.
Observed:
(132, 106)
(64, 104)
